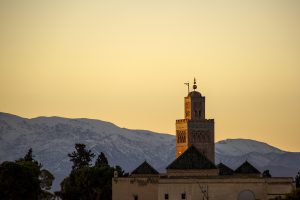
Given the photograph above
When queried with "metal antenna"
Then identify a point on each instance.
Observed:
(188, 84)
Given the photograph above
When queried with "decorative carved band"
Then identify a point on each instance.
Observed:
(181, 136)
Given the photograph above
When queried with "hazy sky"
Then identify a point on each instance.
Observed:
(126, 62)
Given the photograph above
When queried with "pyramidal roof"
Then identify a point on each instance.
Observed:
(144, 168)
(224, 170)
(247, 168)
(191, 159)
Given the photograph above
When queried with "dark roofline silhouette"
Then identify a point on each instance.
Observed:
(246, 168)
(144, 168)
(224, 169)
(192, 159)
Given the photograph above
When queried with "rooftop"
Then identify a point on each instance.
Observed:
(144, 168)
(192, 159)
(224, 170)
(246, 168)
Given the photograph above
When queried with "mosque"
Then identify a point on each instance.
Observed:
(193, 175)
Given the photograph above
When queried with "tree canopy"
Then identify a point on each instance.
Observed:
(87, 182)
(101, 160)
(18, 181)
(81, 157)
(24, 179)
(266, 174)
(297, 180)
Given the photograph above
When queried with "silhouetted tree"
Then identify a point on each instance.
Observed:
(90, 183)
(101, 160)
(29, 158)
(266, 174)
(24, 179)
(297, 180)
(18, 181)
(81, 157)
(46, 179)
(121, 172)
(294, 195)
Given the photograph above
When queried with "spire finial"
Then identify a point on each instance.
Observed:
(188, 84)
(194, 86)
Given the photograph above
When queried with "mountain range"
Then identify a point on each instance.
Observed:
(52, 138)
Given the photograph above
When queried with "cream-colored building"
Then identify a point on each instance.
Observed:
(193, 174)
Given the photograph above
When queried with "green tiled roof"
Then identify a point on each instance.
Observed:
(191, 159)
(246, 168)
(144, 168)
(224, 170)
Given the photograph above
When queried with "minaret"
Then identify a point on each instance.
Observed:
(194, 129)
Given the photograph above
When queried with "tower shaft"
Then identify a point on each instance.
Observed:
(195, 129)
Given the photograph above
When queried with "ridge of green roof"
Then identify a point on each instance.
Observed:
(224, 169)
(144, 168)
(192, 159)
(247, 168)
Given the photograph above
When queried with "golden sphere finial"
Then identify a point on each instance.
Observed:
(194, 86)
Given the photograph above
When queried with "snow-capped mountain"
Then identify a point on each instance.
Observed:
(234, 152)
(239, 147)
(52, 138)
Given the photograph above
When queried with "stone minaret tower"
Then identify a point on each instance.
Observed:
(194, 129)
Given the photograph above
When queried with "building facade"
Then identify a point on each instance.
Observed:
(193, 175)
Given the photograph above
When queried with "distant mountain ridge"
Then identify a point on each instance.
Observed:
(52, 138)
(233, 152)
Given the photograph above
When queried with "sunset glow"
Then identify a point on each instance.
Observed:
(127, 61)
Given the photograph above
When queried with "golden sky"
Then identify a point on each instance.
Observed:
(126, 62)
